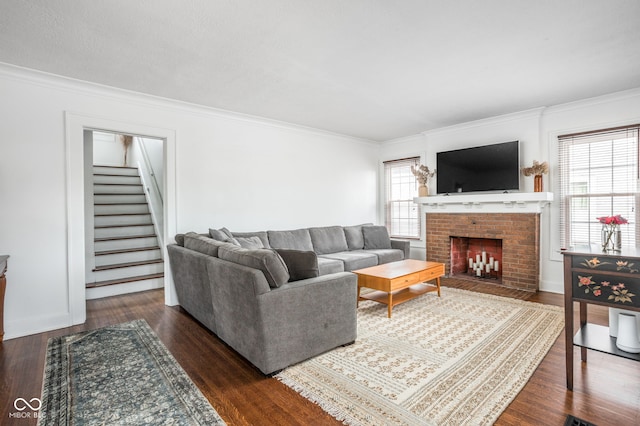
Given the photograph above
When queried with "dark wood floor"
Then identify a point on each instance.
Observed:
(606, 389)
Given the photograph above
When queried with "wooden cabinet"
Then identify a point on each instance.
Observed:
(594, 277)
(3, 286)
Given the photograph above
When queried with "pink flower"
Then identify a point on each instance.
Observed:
(585, 280)
(612, 220)
(606, 283)
(620, 285)
(597, 292)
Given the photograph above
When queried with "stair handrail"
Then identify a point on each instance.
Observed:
(149, 167)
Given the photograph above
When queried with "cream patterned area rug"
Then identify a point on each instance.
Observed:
(455, 360)
(119, 375)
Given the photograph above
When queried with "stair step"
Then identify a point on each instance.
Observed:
(127, 265)
(116, 170)
(119, 198)
(124, 280)
(102, 220)
(128, 250)
(118, 208)
(109, 179)
(113, 189)
(126, 270)
(125, 237)
(100, 224)
(128, 255)
(115, 243)
(122, 231)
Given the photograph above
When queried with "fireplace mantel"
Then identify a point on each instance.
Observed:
(517, 202)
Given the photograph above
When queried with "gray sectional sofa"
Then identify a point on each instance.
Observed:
(278, 297)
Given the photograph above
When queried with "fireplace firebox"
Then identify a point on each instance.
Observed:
(476, 258)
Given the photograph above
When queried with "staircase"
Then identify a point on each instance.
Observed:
(128, 257)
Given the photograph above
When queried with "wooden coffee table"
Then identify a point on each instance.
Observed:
(397, 282)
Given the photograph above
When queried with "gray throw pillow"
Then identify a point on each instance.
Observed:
(353, 234)
(250, 242)
(266, 260)
(179, 239)
(376, 237)
(260, 234)
(221, 234)
(301, 264)
(202, 244)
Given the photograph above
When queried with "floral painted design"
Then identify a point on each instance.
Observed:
(618, 292)
(621, 265)
(593, 263)
(626, 266)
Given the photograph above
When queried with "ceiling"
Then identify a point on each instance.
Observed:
(373, 69)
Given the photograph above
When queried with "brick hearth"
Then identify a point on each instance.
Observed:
(519, 232)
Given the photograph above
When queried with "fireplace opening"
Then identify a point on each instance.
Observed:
(476, 258)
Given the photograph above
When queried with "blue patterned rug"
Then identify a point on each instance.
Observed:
(119, 375)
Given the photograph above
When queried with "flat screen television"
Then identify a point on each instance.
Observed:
(483, 168)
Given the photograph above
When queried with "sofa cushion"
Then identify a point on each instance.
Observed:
(301, 264)
(266, 260)
(354, 237)
(251, 243)
(328, 239)
(328, 266)
(354, 259)
(260, 234)
(298, 239)
(376, 237)
(179, 239)
(221, 234)
(387, 255)
(202, 244)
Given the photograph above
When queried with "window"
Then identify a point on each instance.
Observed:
(598, 177)
(402, 215)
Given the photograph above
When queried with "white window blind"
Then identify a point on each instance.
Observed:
(401, 213)
(598, 177)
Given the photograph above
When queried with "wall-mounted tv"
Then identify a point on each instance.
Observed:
(482, 168)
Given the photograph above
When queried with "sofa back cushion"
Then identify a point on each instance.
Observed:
(301, 264)
(260, 234)
(202, 244)
(354, 237)
(328, 239)
(298, 239)
(376, 237)
(266, 260)
(247, 242)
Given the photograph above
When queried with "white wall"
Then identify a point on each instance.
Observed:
(231, 170)
(107, 151)
(538, 131)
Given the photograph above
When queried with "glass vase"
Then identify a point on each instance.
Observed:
(611, 238)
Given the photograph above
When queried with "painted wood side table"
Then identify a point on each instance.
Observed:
(609, 279)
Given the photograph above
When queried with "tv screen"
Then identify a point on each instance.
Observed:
(483, 168)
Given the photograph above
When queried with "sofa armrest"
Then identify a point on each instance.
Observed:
(403, 245)
(305, 318)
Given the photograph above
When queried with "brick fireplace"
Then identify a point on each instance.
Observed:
(519, 234)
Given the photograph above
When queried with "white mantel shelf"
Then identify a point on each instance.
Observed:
(517, 202)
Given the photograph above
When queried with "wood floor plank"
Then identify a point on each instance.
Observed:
(606, 388)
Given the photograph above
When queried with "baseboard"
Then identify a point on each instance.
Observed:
(552, 286)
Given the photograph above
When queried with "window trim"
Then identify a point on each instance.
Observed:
(416, 160)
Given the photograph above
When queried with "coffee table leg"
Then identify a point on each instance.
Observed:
(389, 305)
(438, 284)
(358, 298)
